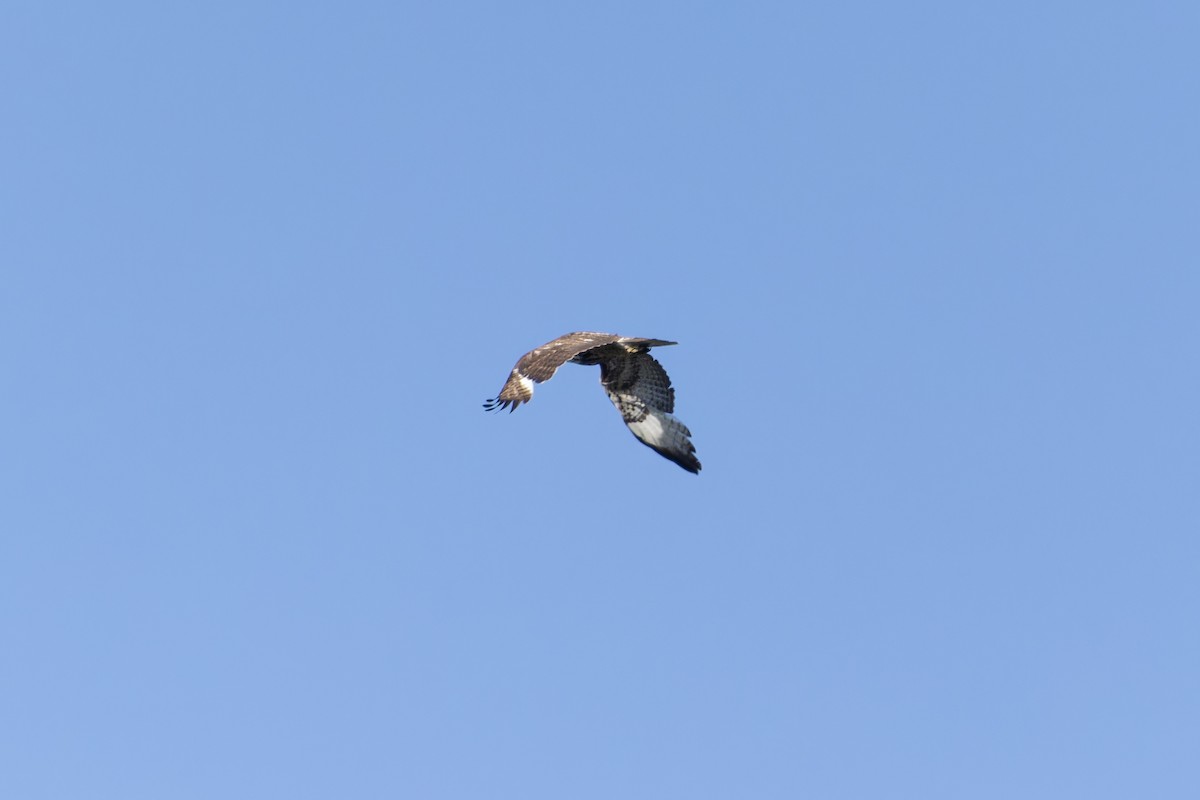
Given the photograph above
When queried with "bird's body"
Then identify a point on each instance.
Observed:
(637, 385)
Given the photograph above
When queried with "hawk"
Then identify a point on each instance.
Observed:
(637, 385)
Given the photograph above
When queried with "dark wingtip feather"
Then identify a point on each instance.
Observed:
(496, 404)
(687, 460)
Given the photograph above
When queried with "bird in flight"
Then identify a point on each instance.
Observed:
(637, 385)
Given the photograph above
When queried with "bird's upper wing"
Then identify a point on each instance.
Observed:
(541, 363)
(640, 389)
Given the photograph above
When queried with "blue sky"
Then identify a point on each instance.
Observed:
(933, 269)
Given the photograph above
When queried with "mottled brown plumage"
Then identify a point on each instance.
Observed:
(635, 383)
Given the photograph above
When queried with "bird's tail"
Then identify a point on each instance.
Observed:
(647, 343)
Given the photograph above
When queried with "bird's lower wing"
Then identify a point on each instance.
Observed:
(661, 431)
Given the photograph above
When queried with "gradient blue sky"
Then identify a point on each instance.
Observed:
(934, 269)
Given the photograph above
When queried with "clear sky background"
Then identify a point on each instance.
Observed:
(934, 269)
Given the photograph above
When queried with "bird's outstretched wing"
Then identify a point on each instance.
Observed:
(541, 363)
(640, 389)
